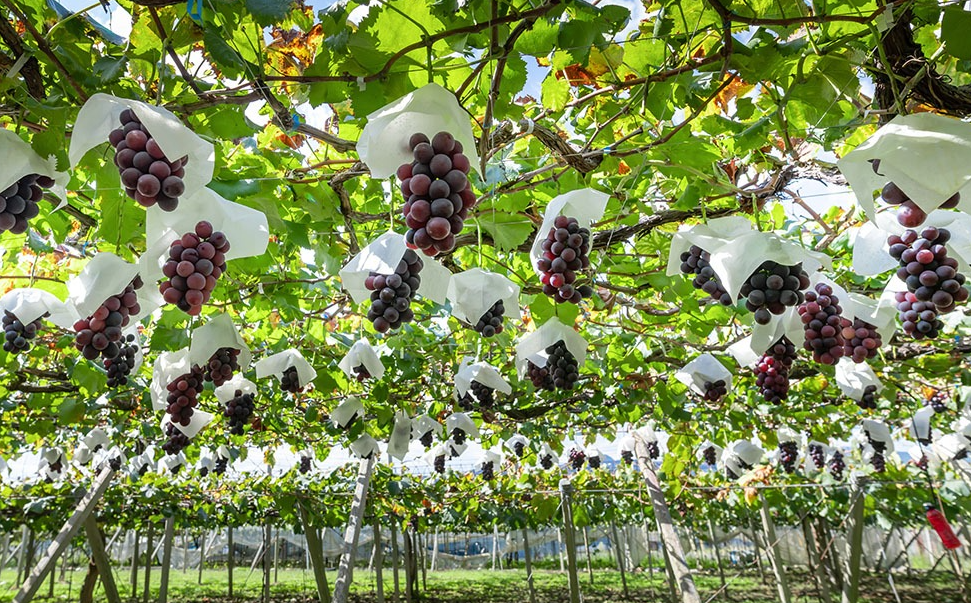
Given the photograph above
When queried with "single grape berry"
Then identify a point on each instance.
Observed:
(565, 252)
(696, 261)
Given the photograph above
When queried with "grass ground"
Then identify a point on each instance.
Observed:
(508, 586)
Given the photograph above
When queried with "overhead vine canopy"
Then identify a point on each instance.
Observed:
(680, 111)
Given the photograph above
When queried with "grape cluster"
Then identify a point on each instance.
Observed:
(861, 340)
(488, 470)
(627, 456)
(562, 365)
(823, 324)
(176, 442)
(696, 261)
(203, 471)
(458, 436)
(564, 253)
(714, 390)
(18, 202)
(577, 458)
(868, 401)
(290, 381)
(437, 193)
(772, 288)
(149, 177)
(484, 394)
(772, 371)
(119, 367)
(910, 215)
(490, 323)
(539, 375)
(938, 402)
(926, 268)
(788, 455)
(426, 438)
(653, 450)
(361, 373)
(196, 261)
(304, 465)
(836, 466)
(183, 396)
(818, 455)
(238, 410)
(519, 448)
(391, 295)
(223, 363)
(922, 462)
(878, 460)
(710, 455)
(440, 463)
(221, 465)
(546, 461)
(16, 334)
(594, 462)
(100, 333)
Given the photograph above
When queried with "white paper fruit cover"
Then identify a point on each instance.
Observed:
(400, 436)
(431, 109)
(95, 438)
(381, 256)
(29, 304)
(19, 159)
(482, 372)
(510, 444)
(950, 447)
(926, 155)
(710, 236)
(547, 451)
(197, 422)
(168, 366)
(853, 378)
(463, 422)
(703, 368)
(533, 346)
(347, 411)
(700, 453)
(227, 391)
(278, 363)
(362, 352)
(245, 228)
(101, 114)
(920, 424)
(586, 205)
(734, 262)
(473, 292)
(743, 451)
(103, 276)
(490, 456)
(218, 333)
(878, 431)
(422, 424)
(871, 254)
(434, 453)
(365, 447)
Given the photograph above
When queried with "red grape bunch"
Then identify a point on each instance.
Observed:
(562, 365)
(861, 340)
(519, 448)
(100, 333)
(546, 461)
(16, 334)
(290, 381)
(18, 202)
(715, 390)
(926, 268)
(149, 177)
(627, 456)
(653, 450)
(711, 455)
(183, 396)
(696, 261)
(239, 410)
(564, 254)
(488, 470)
(772, 288)
(836, 466)
(391, 295)
(119, 367)
(483, 393)
(918, 318)
(594, 462)
(426, 438)
(222, 463)
(223, 363)
(361, 373)
(868, 401)
(195, 262)
(938, 402)
(577, 458)
(788, 455)
(772, 371)
(458, 436)
(818, 455)
(910, 215)
(823, 324)
(539, 375)
(440, 463)
(437, 193)
(304, 464)
(490, 323)
(176, 442)
(877, 460)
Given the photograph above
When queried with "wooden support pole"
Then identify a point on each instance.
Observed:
(672, 581)
(669, 536)
(394, 559)
(718, 556)
(815, 566)
(230, 560)
(616, 546)
(276, 556)
(316, 550)
(185, 551)
(3, 551)
(529, 568)
(134, 568)
(434, 550)
(147, 592)
(204, 543)
(423, 548)
(559, 547)
(167, 538)
(566, 495)
(64, 537)
(267, 560)
(586, 546)
(775, 556)
(101, 560)
(854, 545)
(409, 559)
(650, 555)
(22, 568)
(378, 562)
(344, 571)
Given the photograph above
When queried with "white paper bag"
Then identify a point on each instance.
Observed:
(925, 154)
(103, 276)
(168, 366)
(511, 443)
(383, 144)
(482, 372)
(714, 234)
(227, 391)
(704, 368)
(879, 432)
(362, 353)
(733, 263)
(381, 256)
(218, 333)
(101, 114)
(348, 410)
(474, 292)
(920, 425)
(422, 424)
(29, 304)
(461, 421)
(490, 456)
(586, 205)
(853, 378)
(197, 421)
(278, 363)
(532, 348)
(19, 159)
(400, 436)
(365, 447)
(700, 453)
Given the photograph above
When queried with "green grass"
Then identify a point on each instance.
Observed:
(508, 586)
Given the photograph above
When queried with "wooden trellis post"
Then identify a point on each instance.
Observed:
(854, 545)
(775, 556)
(718, 557)
(316, 551)
(149, 553)
(529, 568)
(344, 576)
(566, 492)
(230, 561)
(378, 562)
(616, 546)
(134, 568)
(586, 546)
(167, 538)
